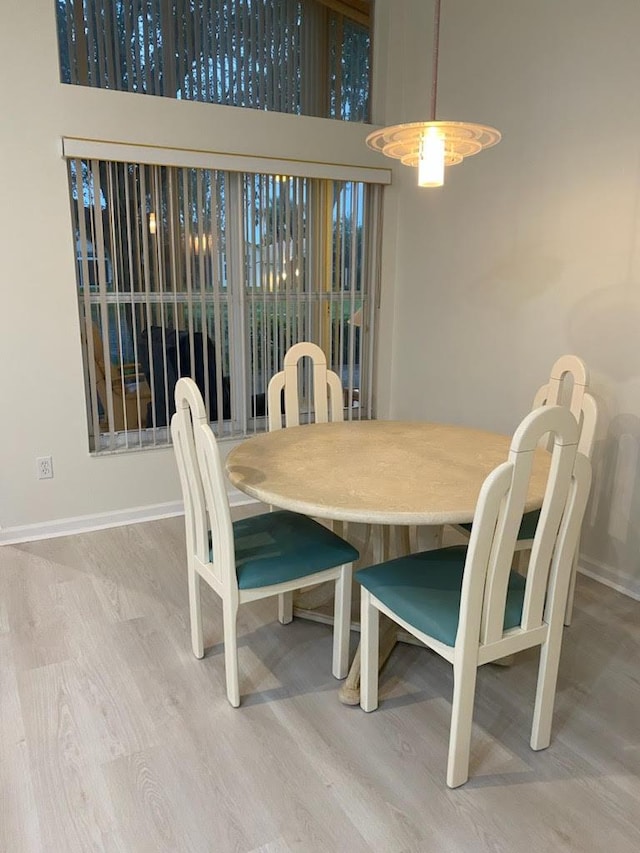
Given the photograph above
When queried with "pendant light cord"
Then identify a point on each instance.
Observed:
(436, 47)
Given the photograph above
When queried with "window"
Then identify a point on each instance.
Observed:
(214, 269)
(309, 57)
(185, 270)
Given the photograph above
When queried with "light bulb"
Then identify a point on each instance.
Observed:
(152, 223)
(431, 162)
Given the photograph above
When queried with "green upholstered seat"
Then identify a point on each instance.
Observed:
(424, 590)
(527, 527)
(280, 546)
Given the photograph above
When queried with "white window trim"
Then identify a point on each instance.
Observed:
(163, 156)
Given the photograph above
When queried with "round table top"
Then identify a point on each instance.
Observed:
(378, 472)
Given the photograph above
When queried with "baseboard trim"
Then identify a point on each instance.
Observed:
(604, 574)
(102, 521)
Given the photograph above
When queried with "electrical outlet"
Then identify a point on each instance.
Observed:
(44, 467)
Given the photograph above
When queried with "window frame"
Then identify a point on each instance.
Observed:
(240, 423)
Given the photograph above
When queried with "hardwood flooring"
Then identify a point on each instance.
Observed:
(113, 737)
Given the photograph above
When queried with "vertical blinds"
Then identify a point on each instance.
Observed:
(214, 274)
(295, 56)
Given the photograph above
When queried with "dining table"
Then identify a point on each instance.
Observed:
(389, 474)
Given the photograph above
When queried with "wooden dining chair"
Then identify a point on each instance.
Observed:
(284, 409)
(568, 385)
(257, 557)
(328, 396)
(468, 605)
(567, 369)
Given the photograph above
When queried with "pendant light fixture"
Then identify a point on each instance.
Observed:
(432, 145)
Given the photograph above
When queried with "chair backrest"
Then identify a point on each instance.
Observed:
(570, 368)
(202, 479)
(328, 401)
(495, 529)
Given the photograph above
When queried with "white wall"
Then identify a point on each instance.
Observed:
(42, 385)
(532, 248)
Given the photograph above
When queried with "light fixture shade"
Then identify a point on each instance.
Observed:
(421, 143)
(461, 139)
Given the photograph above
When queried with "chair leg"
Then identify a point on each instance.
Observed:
(369, 639)
(195, 613)
(572, 590)
(342, 623)
(546, 690)
(285, 608)
(230, 616)
(464, 689)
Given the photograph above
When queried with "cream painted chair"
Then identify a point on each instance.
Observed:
(328, 396)
(585, 409)
(328, 406)
(468, 605)
(568, 384)
(257, 557)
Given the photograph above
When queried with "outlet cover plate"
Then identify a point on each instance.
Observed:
(44, 467)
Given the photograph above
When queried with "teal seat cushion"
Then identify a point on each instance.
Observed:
(424, 590)
(527, 527)
(280, 546)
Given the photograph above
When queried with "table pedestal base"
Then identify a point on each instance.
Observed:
(349, 693)
(431, 538)
(315, 603)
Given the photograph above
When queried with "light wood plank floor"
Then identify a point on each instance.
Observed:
(114, 737)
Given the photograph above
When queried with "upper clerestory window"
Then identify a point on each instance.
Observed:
(306, 57)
